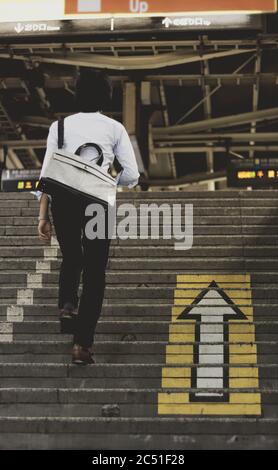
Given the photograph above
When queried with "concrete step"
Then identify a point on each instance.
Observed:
(196, 202)
(103, 371)
(112, 441)
(123, 346)
(254, 206)
(31, 230)
(110, 403)
(142, 312)
(198, 211)
(206, 230)
(143, 278)
(203, 220)
(100, 396)
(106, 376)
(139, 292)
(205, 242)
(162, 254)
(130, 351)
(188, 264)
(160, 425)
(136, 194)
(255, 201)
(47, 335)
(112, 382)
(21, 280)
(199, 240)
(147, 328)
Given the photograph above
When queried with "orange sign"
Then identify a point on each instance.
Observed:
(149, 7)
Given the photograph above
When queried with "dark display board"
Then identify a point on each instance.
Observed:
(253, 173)
(19, 180)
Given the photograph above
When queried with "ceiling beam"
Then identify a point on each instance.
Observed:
(255, 98)
(141, 62)
(165, 114)
(188, 179)
(10, 129)
(265, 39)
(199, 149)
(210, 78)
(210, 93)
(235, 137)
(187, 138)
(24, 144)
(225, 121)
(208, 115)
(55, 82)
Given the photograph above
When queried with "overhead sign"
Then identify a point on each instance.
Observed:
(21, 28)
(211, 357)
(42, 10)
(129, 25)
(150, 7)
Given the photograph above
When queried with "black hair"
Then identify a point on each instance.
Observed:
(93, 90)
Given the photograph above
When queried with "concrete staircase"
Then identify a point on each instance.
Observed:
(147, 390)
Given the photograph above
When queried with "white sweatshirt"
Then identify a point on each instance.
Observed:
(97, 128)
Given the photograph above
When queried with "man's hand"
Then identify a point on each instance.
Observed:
(44, 230)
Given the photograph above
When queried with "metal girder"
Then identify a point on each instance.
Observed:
(13, 161)
(169, 80)
(129, 107)
(207, 112)
(39, 91)
(141, 62)
(171, 157)
(44, 122)
(186, 139)
(36, 121)
(201, 149)
(256, 90)
(124, 45)
(210, 93)
(188, 179)
(212, 79)
(24, 144)
(157, 168)
(233, 137)
(225, 121)
(27, 157)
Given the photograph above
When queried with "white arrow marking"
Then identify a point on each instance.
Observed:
(212, 308)
(19, 28)
(167, 22)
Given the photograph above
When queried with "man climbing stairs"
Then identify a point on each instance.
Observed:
(186, 345)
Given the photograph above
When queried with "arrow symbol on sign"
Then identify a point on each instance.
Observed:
(212, 309)
(167, 21)
(19, 28)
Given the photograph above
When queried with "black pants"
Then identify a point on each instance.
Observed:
(80, 255)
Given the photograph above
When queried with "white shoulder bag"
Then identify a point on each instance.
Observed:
(71, 172)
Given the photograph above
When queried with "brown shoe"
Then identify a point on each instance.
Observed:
(82, 355)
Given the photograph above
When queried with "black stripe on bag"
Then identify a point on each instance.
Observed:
(60, 133)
